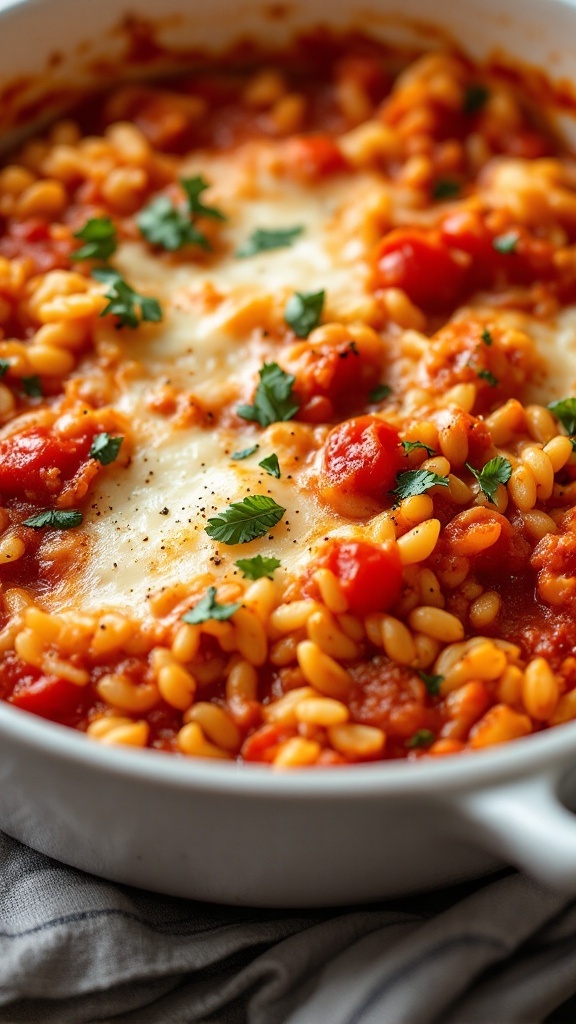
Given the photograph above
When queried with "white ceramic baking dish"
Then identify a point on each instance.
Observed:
(243, 834)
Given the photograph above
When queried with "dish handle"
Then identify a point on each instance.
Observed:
(525, 823)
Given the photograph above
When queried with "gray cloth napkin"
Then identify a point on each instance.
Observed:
(75, 949)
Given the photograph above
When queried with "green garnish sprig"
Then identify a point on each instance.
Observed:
(273, 401)
(497, 471)
(124, 302)
(245, 520)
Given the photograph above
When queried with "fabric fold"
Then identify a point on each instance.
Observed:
(75, 949)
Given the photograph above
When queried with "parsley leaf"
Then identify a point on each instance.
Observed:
(4, 367)
(163, 224)
(55, 519)
(565, 411)
(412, 446)
(245, 520)
(32, 386)
(273, 400)
(488, 376)
(99, 234)
(263, 240)
(105, 448)
(194, 187)
(129, 306)
(380, 392)
(445, 188)
(432, 683)
(487, 337)
(244, 453)
(303, 312)
(169, 226)
(421, 738)
(271, 465)
(257, 567)
(476, 97)
(208, 608)
(417, 481)
(496, 471)
(507, 243)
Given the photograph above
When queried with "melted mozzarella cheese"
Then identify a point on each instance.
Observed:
(556, 343)
(146, 523)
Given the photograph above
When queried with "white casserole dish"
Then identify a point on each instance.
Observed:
(242, 834)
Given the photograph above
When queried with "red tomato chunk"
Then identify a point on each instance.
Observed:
(360, 461)
(46, 696)
(34, 464)
(421, 265)
(314, 156)
(370, 577)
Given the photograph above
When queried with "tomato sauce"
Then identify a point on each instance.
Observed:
(440, 250)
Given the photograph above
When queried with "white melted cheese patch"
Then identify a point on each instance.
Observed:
(556, 344)
(146, 523)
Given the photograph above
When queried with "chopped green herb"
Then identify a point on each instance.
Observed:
(263, 240)
(4, 367)
(445, 188)
(105, 448)
(432, 682)
(208, 608)
(417, 481)
(273, 399)
(421, 738)
(565, 412)
(412, 446)
(476, 97)
(163, 224)
(488, 376)
(194, 187)
(244, 453)
(245, 520)
(271, 465)
(55, 519)
(99, 235)
(257, 567)
(496, 471)
(32, 386)
(487, 337)
(506, 243)
(379, 393)
(303, 312)
(573, 443)
(129, 306)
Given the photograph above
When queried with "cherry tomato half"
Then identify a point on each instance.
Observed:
(370, 576)
(360, 461)
(423, 266)
(27, 459)
(312, 157)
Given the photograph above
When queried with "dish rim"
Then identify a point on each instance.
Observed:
(521, 758)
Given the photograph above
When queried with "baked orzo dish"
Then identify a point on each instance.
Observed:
(287, 467)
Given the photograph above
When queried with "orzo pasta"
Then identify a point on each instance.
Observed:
(288, 415)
